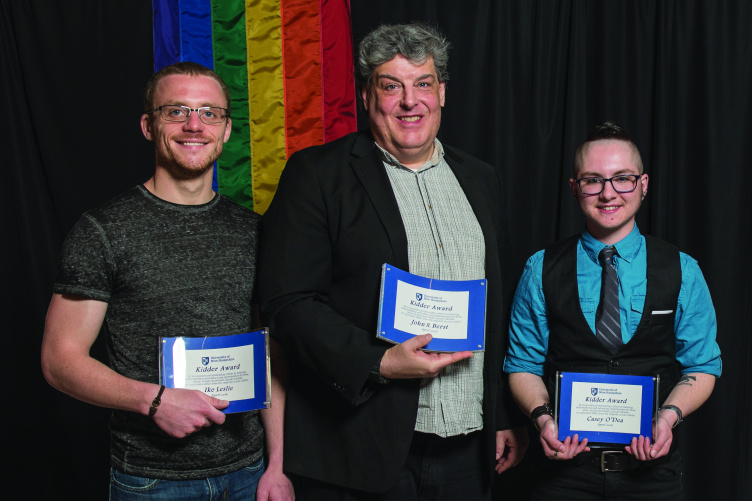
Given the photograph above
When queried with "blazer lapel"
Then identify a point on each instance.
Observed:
(474, 192)
(369, 169)
(475, 196)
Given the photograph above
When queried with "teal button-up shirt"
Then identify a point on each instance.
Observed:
(694, 325)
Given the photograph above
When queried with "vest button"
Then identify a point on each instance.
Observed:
(615, 363)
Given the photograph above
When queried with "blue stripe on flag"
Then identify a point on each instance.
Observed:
(196, 32)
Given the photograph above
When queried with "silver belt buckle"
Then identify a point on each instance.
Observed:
(603, 460)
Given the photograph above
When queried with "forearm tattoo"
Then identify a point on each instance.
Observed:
(686, 380)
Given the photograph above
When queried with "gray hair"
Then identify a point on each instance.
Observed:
(416, 41)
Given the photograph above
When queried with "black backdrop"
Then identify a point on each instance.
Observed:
(526, 81)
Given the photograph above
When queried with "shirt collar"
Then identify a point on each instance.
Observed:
(627, 247)
(436, 156)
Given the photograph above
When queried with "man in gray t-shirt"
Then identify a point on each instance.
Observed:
(167, 258)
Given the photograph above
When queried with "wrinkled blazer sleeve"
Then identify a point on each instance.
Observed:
(319, 270)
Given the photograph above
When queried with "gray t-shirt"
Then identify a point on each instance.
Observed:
(167, 270)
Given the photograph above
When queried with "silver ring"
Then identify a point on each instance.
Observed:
(556, 455)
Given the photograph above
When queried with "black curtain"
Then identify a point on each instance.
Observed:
(527, 79)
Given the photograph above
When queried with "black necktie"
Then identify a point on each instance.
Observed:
(607, 322)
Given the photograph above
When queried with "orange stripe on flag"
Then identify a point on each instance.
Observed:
(301, 48)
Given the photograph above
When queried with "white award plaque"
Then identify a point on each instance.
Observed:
(605, 408)
(234, 368)
(452, 311)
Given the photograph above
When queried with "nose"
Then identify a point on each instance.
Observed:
(193, 123)
(608, 190)
(408, 98)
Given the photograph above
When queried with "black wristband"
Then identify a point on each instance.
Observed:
(539, 411)
(679, 415)
(157, 400)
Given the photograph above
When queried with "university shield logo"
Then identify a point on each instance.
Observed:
(418, 296)
(205, 360)
(594, 391)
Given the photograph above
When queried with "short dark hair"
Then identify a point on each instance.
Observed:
(183, 68)
(604, 131)
(416, 41)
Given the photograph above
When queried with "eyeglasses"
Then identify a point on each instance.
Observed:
(623, 183)
(207, 114)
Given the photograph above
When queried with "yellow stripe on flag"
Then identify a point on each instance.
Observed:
(265, 98)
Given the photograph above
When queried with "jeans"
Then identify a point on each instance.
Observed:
(240, 485)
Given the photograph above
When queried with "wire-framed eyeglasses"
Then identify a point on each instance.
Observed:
(623, 183)
(207, 114)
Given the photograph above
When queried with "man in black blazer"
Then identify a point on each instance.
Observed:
(367, 419)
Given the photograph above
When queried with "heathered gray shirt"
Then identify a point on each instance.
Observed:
(444, 241)
(167, 270)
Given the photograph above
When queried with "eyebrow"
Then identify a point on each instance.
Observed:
(617, 173)
(181, 103)
(392, 77)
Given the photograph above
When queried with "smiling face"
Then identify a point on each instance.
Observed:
(187, 150)
(610, 216)
(404, 102)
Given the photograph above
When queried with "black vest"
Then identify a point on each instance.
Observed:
(572, 346)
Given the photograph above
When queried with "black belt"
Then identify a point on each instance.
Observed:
(615, 461)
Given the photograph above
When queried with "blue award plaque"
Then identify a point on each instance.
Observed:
(453, 312)
(605, 408)
(234, 368)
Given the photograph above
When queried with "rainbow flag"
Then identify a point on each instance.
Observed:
(289, 67)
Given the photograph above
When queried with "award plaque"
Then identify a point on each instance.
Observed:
(452, 311)
(234, 368)
(606, 409)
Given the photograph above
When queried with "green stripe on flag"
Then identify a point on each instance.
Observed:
(230, 62)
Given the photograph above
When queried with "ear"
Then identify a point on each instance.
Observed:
(146, 126)
(644, 182)
(442, 93)
(573, 187)
(228, 129)
(364, 96)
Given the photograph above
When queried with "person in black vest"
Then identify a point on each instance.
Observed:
(659, 320)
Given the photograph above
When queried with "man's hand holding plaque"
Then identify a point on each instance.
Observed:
(408, 360)
(182, 412)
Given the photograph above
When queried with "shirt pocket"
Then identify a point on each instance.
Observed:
(636, 307)
(588, 306)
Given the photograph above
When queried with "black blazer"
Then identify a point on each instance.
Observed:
(332, 224)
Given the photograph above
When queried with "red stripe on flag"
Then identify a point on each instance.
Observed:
(340, 114)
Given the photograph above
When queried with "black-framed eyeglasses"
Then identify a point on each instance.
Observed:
(623, 183)
(207, 114)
